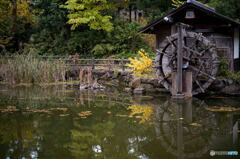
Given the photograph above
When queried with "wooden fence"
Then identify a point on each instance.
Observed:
(99, 63)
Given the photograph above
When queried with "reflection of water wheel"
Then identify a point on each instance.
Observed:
(196, 139)
(199, 56)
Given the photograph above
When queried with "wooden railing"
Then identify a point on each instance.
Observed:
(99, 63)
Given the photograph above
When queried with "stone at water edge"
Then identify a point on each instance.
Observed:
(82, 87)
(139, 90)
(97, 86)
(135, 83)
(127, 89)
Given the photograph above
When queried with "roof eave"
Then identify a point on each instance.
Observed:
(194, 4)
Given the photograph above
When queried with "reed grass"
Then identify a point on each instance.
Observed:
(31, 69)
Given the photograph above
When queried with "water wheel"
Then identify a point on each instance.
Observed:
(199, 56)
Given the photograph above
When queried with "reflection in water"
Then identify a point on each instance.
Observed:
(187, 130)
(171, 129)
(142, 112)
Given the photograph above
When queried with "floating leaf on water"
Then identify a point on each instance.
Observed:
(9, 109)
(59, 109)
(222, 109)
(85, 114)
(63, 115)
(195, 124)
(109, 113)
(121, 115)
(38, 111)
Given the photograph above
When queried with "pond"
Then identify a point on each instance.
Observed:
(62, 123)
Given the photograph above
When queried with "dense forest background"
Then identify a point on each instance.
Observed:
(90, 28)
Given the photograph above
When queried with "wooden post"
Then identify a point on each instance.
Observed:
(122, 64)
(179, 60)
(109, 65)
(81, 74)
(180, 94)
(89, 76)
(93, 62)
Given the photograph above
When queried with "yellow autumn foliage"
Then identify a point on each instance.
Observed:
(142, 112)
(23, 10)
(141, 64)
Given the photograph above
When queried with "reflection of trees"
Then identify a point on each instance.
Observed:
(183, 129)
(18, 137)
(87, 143)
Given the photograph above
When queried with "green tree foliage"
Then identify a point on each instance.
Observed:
(42, 28)
(51, 32)
(177, 3)
(89, 12)
(152, 8)
(15, 21)
(229, 8)
(53, 35)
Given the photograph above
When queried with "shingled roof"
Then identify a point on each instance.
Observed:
(191, 4)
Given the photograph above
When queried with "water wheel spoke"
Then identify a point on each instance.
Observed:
(167, 76)
(201, 72)
(202, 52)
(191, 50)
(164, 53)
(200, 68)
(199, 85)
(173, 58)
(194, 44)
(170, 40)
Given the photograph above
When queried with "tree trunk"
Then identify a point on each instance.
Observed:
(130, 13)
(14, 16)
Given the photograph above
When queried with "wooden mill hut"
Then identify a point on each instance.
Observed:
(222, 30)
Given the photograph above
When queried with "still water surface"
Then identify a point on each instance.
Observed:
(62, 123)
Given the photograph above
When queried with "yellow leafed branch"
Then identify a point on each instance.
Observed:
(142, 64)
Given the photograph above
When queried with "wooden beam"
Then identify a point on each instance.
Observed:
(179, 59)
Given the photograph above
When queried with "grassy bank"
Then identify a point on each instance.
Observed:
(31, 69)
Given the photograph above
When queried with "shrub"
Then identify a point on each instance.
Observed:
(141, 65)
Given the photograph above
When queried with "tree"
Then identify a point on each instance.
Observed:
(229, 8)
(15, 19)
(90, 12)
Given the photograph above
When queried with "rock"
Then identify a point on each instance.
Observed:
(148, 87)
(135, 83)
(230, 81)
(83, 86)
(231, 90)
(127, 89)
(93, 86)
(97, 86)
(139, 90)
(217, 85)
